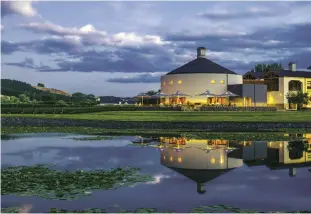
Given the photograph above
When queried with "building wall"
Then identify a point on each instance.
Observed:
(278, 98)
(194, 84)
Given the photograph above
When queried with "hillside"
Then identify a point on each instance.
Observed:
(52, 90)
(15, 88)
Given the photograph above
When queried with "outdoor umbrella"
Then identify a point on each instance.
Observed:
(208, 94)
(228, 94)
(159, 95)
(142, 95)
(179, 94)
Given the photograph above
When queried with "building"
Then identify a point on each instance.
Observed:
(280, 82)
(203, 74)
(267, 88)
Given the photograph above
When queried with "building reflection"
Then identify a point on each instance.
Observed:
(191, 159)
(203, 160)
(278, 155)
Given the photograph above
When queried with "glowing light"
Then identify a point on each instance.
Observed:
(164, 83)
(222, 81)
(179, 81)
(179, 160)
(213, 81)
(281, 145)
(171, 82)
(164, 157)
(221, 160)
(171, 158)
(213, 160)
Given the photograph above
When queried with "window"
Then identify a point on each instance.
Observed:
(213, 81)
(179, 81)
(171, 82)
(308, 84)
(164, 83)
(222, 81)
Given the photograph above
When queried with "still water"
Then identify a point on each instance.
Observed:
(261, 175)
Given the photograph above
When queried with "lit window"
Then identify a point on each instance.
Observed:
(213, 81)
(179, 81)
(179, 160)
(222, 81)
(171, 158)
(171, 82)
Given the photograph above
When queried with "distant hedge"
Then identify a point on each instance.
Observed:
(232, 108)
(23, 105)
(72, 110)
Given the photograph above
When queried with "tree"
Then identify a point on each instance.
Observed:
(14, 100)
(266, 67)
(298, 98)
(150, 93)
(23, 98)
(48, 99)
(41, 85)
(5, 100)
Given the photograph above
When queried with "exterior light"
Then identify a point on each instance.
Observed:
(179, 160)
(222, 81)
(171, 82)
(171, 158)
(213, 160)
(213, 81)
(179, 81)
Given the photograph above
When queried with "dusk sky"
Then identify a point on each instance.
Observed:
(122, 48)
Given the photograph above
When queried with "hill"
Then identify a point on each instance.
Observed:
(52, 90)
(15, 88)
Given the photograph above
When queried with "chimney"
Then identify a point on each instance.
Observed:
(201, 52)
(292, 66)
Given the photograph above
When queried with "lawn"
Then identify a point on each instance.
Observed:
(172, 116)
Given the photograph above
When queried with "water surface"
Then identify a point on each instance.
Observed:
(260, 175)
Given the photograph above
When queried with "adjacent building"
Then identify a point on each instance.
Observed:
(280, 82)
(253, 88)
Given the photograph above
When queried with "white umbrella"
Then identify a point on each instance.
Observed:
(179, 94)
(228, 94)
(142, 95)
(208, 94)
(159, 95)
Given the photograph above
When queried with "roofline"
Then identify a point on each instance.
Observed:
(203, 73)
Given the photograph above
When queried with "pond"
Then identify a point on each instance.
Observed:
(187, 173)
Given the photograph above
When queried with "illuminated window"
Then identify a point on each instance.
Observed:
(171, 82)
(222, 81)
(179, 81)
(179, 160)
(213, 81)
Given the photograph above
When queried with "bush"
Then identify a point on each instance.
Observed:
(76, 110)
(232, 108)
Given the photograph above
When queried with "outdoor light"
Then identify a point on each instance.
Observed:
(213, 81)
(222, 81)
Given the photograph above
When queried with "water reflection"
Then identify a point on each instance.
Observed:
(203, 160)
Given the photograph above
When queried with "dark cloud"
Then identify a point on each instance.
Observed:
(142, 78)
(27, 63)
(9, 47)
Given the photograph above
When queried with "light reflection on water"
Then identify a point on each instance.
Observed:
(258, 175)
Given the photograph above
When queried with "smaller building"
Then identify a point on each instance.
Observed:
(279, 83)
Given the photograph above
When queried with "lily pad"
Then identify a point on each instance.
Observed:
(45, 182)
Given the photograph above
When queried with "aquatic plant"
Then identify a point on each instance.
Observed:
(92, 138)
(45, 182)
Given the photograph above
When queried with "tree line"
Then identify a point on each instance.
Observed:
(17, 92)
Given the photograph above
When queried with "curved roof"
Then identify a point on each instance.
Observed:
(201, 65)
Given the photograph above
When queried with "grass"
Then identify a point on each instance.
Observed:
(45, 182)
(172, 116)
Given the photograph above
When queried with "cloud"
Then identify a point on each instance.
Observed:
(140, 78)
(252, 12)
(23, 8)
(27, 63)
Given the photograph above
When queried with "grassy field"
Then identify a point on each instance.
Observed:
(171, 116)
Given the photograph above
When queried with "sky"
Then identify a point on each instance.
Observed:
(122, 48)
